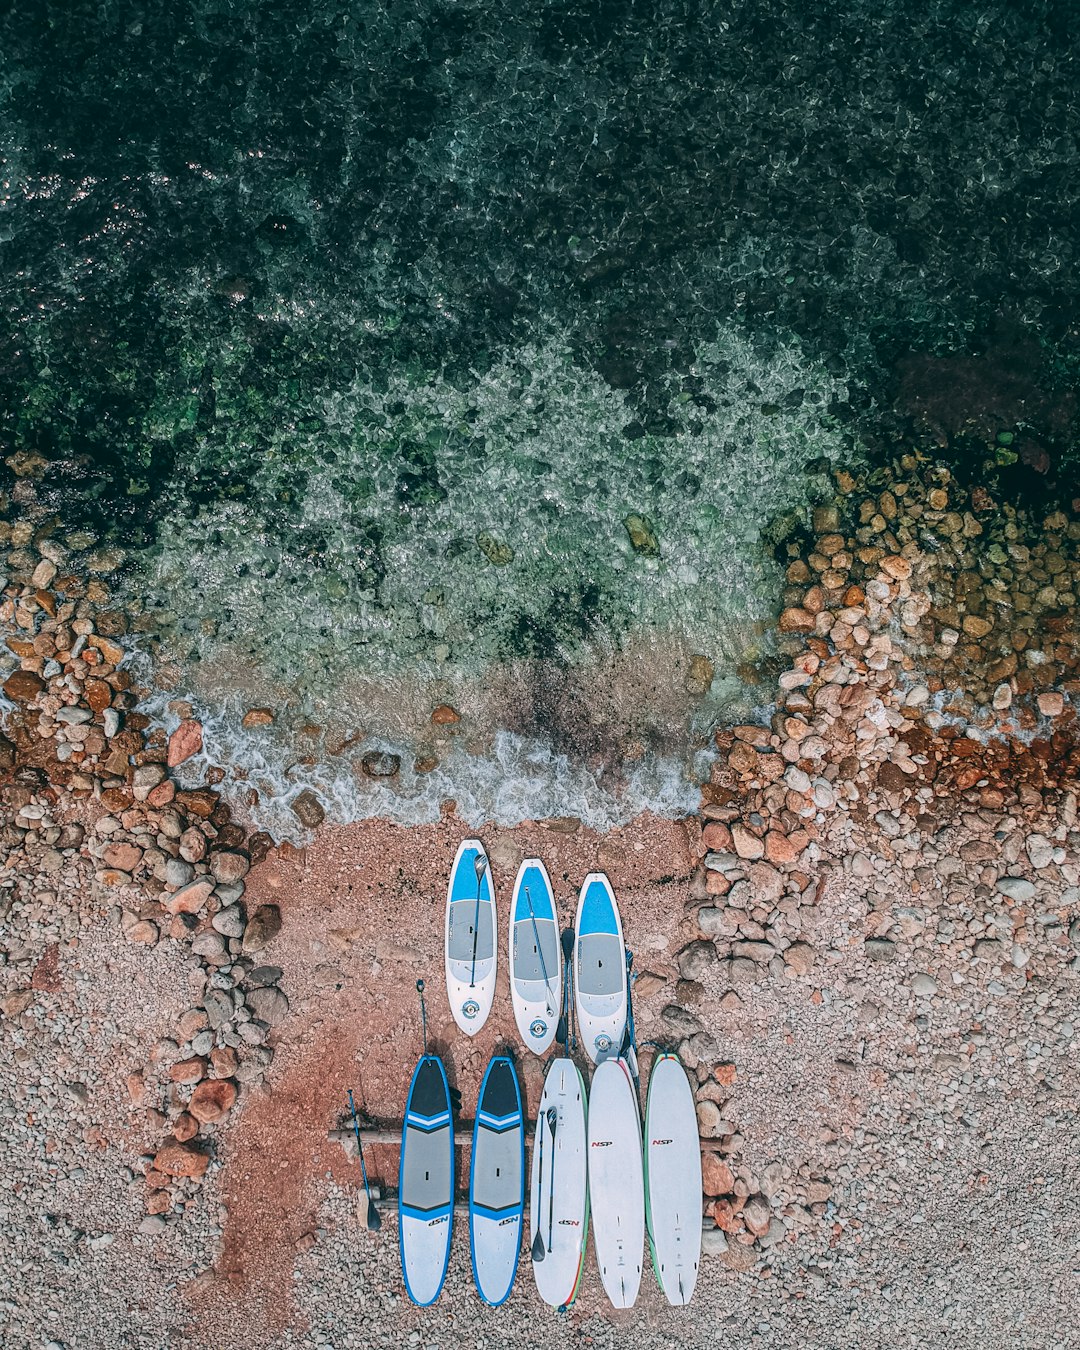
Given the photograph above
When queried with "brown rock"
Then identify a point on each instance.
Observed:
(136, 1089)
(193, 845)
(891, 778)
(224, 1060)
(717, 1177)
(725, 1074)
(188, 1070)
(97, 694)
(229, 867)
(380, 764)
(445, 716)
(796, 620)
(766, 883)
(212, 1100)
(308, 810)
(158, 1202)
(800, 956)
(723, 1213)
(111, 651)
(46, 976)
(743, 758)
(181, 1158)
(23, 686)
(896, 567)
(191, 1023)
(747, 844)
(186, 1127)
(185, 741)
(263, 926)
(757, 1215)
(144, 931)
(975, 626)
(257, 717)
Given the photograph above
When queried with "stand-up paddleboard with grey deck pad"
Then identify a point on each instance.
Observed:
(497, 1182)
(426, 1184)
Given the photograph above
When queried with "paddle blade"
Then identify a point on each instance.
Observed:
(374, 1218)
(567, 940)
(560, 1029)
(538, 1252)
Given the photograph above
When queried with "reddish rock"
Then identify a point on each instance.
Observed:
(46, 976)
(716, 883)
(161, 795)
(725, 1216)
(796, 620)
(185, 741)
(97, 694)
(224, 1059)
(125, 856)
(190, 899)
(445, 716)
(717, 1177)
(257, 717)
(725, 1074)
(717, 836)
(144, 931)
(743, 758)
(747, 844)
(780, 849)
(212, 1100)
(23, 686)
(136, 1089)
(158, 1202)
(757, 1215)
(181, 1158)
(186, 1127)
(188, 1070)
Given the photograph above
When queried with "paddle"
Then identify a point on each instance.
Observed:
(423, 1011)
(628, 1050)
(568, 954)
(374, 1219)
(552, 1118)
(538, 1252)
(480, 863)
(539, 952)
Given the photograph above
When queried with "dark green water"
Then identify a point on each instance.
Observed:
(366, 329)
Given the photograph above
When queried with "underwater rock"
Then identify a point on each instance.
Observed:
(642, 534)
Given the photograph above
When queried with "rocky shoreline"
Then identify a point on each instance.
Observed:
(899, 843)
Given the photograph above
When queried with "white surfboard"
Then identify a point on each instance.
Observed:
(559, 1191)
(673, 1180)
(536, 962)
(616, 1182)
(426, 1190)
(471, 931)
(599, 970)
(497, 1183)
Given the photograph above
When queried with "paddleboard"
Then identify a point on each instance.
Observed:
(497, 1182)
(616, 1183)
(673, 1180)
(471, 956)
(559, 1191)
(536, 960)
(426, 1185)
(599, 970)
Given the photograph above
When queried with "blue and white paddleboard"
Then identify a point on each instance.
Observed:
(426, 1186)
(616, 1189)
(536, 961)
(599, 970)
(497, 1182)
(673, 1180)
(471, 937)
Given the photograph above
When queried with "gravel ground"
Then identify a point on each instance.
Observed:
(943, 1122)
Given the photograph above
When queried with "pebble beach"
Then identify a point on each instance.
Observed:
(865, 948)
